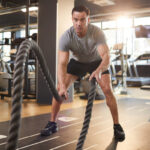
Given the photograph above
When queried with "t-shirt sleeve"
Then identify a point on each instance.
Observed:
(100, 37)
(64, 42)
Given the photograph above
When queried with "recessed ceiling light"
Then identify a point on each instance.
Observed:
(30, 9)
(103, 2)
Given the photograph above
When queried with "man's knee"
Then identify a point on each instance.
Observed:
(108, 102)
(107, 90)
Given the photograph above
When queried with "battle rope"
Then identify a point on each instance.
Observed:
(18, 89)
(88, 114)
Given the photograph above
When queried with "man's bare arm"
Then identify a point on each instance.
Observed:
(105, 55)
(63, 58)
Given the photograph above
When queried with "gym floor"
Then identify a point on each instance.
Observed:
(134, 111)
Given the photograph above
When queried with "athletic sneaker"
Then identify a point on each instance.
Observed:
(50, 128)
(119, 133)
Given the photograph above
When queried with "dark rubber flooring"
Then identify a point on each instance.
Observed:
(134, 117)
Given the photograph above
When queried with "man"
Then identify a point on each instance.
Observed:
(89, 53)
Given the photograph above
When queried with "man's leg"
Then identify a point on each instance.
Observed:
(106, 87)
(55, 104)
(105, 84)
(51, 127)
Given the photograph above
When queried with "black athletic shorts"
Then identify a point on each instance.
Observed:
(81, 69)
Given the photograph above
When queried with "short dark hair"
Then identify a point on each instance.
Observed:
(81, 8)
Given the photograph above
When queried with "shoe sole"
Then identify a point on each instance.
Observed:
(50, 133)
(120, 139)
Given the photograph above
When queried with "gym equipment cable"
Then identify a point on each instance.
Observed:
(18, 90)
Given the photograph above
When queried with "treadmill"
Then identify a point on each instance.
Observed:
(134, 79)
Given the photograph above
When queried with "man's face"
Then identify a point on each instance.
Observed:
(80, 22)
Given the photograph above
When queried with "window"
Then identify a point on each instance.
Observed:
(0, 41)
(6, 48)
(7, 35)
(122, 30)
(0, 38)
(33, 31)
(141, 44)
(110, 37)
(142, 21)
(98, 24)
(124, 22)
(22, 33)
(108, 24)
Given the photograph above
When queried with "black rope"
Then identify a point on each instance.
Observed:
(88, 114)
(18, 88)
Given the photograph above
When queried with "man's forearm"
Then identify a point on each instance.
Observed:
(104, 64)
(105, 56)
(62, 70)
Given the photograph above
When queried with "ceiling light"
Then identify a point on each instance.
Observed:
(102, 2)
(30, 9)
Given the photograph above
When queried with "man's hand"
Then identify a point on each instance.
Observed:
(62, 91)
(96, 74)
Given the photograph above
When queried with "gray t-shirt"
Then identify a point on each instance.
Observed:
(83, 49)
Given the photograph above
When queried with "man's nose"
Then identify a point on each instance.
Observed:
(79, 23)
